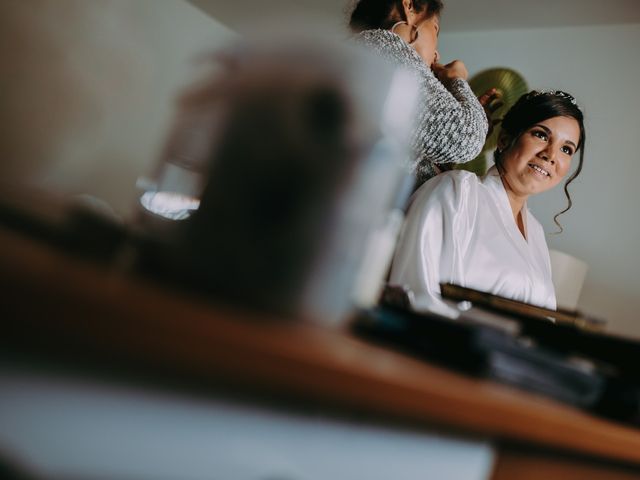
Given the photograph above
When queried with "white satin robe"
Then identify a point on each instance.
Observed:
(460, 229)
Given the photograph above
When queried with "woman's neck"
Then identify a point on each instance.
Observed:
(517, 203)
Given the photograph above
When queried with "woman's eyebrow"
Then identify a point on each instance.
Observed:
(545, 128)
(549, 132)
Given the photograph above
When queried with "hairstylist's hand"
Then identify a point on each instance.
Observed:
(491, 100)
(450, 71)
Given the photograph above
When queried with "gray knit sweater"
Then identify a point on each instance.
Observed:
(451, 123)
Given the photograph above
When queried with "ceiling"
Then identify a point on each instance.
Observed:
(458, 15)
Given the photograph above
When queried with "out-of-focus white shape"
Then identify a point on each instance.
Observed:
(398, 115)
(382, 100)
(170, 205)
(377, 260)
(396, 122)
(568, 274)
(60, 427)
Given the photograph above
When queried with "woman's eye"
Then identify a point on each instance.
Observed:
(540, 134)
(567, 150)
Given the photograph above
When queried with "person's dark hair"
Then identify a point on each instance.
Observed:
(374, 14)
(535, 107)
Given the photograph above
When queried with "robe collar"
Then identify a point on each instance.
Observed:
(493, 183)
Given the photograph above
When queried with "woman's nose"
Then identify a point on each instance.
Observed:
(547, 155)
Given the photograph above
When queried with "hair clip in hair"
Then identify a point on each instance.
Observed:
(555, 93)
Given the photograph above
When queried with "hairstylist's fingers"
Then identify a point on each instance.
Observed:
(495, 105)
(437, 67)
(450, 71)
(486, 97)
(456, 69)
(491, 100)
(495, 101)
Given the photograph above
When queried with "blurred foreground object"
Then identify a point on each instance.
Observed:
(284, 170)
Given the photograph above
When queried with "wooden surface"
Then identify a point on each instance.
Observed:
(527, 465)
(57, 306)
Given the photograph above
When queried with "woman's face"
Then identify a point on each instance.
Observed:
(426, 37)
(541, 157)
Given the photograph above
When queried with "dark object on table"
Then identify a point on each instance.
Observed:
(520, 309)
(484, 351)
(517, 344)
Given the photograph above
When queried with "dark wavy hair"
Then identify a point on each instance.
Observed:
(374, 14)
(537, 106)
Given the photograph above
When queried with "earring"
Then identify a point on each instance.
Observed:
(413, 33)
(401, 22)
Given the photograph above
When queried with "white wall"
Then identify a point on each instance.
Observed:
(599, 65)
(87, 88)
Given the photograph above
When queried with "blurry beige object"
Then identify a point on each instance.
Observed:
(568, 274)
(282, 183)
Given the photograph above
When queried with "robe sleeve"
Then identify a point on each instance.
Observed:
(433, 239)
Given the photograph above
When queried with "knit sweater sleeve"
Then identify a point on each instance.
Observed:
(451, 125)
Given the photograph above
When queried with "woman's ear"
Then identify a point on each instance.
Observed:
(409, 10)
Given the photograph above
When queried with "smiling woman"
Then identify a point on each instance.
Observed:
(478, 232)
(549, 127)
